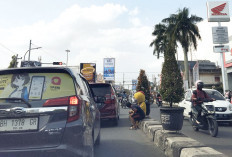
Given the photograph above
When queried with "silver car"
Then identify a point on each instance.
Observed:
(47, 111)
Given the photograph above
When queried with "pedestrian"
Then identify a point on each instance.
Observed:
(139, 98)
(136, 114)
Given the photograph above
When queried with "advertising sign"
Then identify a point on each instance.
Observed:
(36, 86)
(221, 48)
(220, 35)
(109, 69)
(218, 11)
(88, 70)
(30, 64)
(134, 84)
(196, 72)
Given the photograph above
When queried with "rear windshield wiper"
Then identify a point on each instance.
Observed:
(17, 100)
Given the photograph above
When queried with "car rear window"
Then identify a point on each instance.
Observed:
(101, 89)
(36, 86)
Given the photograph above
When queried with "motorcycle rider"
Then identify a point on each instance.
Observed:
(198, 97)
(124, 95)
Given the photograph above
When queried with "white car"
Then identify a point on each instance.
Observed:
(223, 108)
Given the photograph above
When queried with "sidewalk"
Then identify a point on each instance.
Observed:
(176, 144)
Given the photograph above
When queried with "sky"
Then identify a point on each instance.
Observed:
(97, 29)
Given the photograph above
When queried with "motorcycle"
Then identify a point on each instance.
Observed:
(159, 101)
(123, 103)
(208, 119)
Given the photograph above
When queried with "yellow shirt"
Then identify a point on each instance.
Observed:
(143, 107)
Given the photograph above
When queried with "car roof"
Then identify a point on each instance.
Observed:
(100, 84)
(63, 69)
(192, 89)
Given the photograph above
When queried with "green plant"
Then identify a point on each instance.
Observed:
(143, 84)
(171, 87)
(183, 28)
(13, 63)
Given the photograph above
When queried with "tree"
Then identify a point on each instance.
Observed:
(160, 41)
(143, 84)
(183, 29)
(13, 63)
(171, 87)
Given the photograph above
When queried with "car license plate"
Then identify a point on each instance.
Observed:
(20, 124)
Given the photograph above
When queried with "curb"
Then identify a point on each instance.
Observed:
(175, 144)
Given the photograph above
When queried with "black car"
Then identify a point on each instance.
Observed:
(47, 111)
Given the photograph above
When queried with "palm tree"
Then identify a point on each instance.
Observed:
(160, 42)
(183, 29)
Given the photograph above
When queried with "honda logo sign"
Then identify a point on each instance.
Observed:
(218, 11)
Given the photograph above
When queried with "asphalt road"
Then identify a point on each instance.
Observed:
(119, 141)
(221, 143)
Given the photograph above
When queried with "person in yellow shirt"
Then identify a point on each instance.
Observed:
(140, 98)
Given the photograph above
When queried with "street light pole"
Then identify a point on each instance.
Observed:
(29, 51)
(29, 55)
(67, 57)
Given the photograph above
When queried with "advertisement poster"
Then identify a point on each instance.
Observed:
(134, 84)
(36, 86)
(196, 72)
(88, 70)
(109, 69)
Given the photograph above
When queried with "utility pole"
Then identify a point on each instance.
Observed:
(29, 51)
(67, 57)
(123, 81)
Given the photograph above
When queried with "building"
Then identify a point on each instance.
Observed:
(228, 66)
(208, 72)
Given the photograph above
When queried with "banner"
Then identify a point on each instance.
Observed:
(196, 72)
(88, 70)
(109, 69)
(134, 84)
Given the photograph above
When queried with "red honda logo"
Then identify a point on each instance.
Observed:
(217, 10)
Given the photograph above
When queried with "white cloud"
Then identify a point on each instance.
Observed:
(96, 32)
(135, 21)
(134, 12)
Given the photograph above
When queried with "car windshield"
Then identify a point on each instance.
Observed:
(214, 94)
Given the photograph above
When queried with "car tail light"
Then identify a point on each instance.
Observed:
(74, 109)
(72, 102)
(110, 99)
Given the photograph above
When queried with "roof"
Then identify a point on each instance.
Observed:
(203, 65)
(64, 69)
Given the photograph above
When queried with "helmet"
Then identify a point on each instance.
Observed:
(199, 84)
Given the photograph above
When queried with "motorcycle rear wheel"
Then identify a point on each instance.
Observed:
(213, 127)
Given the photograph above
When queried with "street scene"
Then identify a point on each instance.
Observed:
(115, 78)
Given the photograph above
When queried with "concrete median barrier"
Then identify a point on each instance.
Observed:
(176, 144)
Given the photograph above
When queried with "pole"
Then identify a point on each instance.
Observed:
(29, 51)
(123, 80)
(67, 57)
(222, 68)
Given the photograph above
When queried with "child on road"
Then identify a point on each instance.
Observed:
(136, 114)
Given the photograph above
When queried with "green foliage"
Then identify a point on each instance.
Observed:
(13, 63)
(171, 87)
(183, 28)
(143, 84)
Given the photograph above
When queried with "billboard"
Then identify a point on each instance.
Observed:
(134, 84)
(88, 70)
(109, 69)
(196, 72)
(30, 64)
(218, 11)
